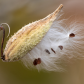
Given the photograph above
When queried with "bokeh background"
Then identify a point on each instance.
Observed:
(18, 13)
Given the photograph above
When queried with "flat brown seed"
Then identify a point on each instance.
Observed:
(72, 35)
(53, 50)
(37, 61)
(47, 51)
(61, 47)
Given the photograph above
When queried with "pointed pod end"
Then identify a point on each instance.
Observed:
(53, 16)
(55, 13)
(61, 5)
(59, 8)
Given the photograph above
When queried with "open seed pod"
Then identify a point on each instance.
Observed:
(44, 44)
(28, 37)
(32, 44)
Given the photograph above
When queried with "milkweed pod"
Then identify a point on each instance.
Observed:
(28, 37)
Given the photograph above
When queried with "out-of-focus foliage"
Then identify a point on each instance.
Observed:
(18, 13)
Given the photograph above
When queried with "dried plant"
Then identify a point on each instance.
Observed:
(43, 43)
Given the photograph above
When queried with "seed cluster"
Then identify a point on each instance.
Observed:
(38, 61)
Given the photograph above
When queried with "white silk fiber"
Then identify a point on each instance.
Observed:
(57, 44)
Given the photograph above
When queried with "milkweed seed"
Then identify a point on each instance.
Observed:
(61, 47)
(37, 61)
(47, 51)
(53, 50)
(72, 35)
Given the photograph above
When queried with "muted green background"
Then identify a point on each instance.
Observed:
(18, 13)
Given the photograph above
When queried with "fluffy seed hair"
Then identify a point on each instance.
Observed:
(58, 43)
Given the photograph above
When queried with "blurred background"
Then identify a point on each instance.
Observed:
(18, 13)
